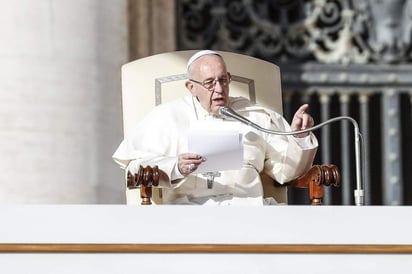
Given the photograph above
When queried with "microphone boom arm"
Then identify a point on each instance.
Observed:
(359, 192)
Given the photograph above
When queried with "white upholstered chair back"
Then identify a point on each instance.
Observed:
(156, 79)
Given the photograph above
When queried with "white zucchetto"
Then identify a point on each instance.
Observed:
(200, 54)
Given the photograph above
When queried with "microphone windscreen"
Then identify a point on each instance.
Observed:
(223, 111)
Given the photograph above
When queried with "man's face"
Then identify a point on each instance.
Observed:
(209, 82)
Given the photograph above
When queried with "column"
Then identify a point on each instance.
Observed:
(60, 110)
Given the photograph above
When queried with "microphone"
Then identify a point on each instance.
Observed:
(359, 192)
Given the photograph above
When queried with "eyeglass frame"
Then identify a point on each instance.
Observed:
(214, 81)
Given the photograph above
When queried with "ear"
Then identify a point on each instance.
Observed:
(229, 76)
(190, 87)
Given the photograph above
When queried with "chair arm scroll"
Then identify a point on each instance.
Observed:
(317, 177)
(145, 178)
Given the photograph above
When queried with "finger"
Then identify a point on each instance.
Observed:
(305, 121)
(302, 110)
(311, 122)
(186, 158)
(192, 167)
(186, 169)
(297, 118)
(192, 156)
(188, 162)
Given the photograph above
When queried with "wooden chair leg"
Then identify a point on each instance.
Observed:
(315, 193)
(146, 195)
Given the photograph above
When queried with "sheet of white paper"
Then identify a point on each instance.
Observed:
(219, 142)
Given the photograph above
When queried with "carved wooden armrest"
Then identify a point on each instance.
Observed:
(145, 178)
(317, 177)
(314, 179)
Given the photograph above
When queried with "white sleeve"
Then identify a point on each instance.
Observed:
(305, 142)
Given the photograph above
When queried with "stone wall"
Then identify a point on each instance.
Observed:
(60, 108)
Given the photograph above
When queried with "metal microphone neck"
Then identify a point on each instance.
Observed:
(359, 192)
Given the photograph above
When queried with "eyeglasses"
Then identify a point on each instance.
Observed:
(210, 84)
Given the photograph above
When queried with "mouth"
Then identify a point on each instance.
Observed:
(220, 101)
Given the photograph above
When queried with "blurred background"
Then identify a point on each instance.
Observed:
(60, 85)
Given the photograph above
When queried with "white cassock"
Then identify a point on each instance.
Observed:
(162, 135)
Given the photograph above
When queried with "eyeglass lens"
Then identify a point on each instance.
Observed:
(210, 84)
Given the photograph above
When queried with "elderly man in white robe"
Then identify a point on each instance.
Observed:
(282, 158)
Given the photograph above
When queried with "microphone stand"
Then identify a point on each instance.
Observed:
(359, 192)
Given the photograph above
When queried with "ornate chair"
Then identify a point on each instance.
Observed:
(156, 79)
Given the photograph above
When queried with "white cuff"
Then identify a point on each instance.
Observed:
(305, 142)
(176, 173)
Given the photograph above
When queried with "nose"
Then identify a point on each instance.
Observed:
(219, 87)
